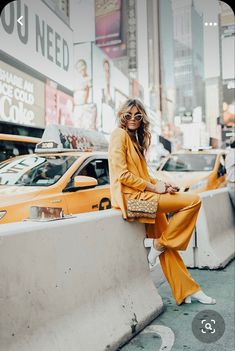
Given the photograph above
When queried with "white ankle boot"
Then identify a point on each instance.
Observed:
(201, 297)
(153, 253)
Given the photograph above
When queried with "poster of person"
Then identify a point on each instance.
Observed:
(82, 74)
(108, 104)
(84, 111)
(84, 116)
(106, 79)
(103, 90)
(106, 91)
(83, 83)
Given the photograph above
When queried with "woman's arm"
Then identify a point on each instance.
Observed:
(117, 157)
(159, 187)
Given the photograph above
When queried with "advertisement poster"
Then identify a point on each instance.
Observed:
(111, 27)
(51, 103)
(109, 84)
(65, 109)
(21, 97)
(58, 106)
(84, 110)
(44, 43)
(84, 116)
(82, 74)
(108, 22)
(103, 90)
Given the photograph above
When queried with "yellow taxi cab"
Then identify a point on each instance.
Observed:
(12, 145)
(69, 170)
(194, 170)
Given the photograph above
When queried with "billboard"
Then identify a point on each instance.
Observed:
(58, 106)
(84, 110)
(108, 22)
(85, 116)
(43, 42)
(109, 85)
(21, 97)
(111, 27)
(82, 74)
(103, 90)
(99, 87)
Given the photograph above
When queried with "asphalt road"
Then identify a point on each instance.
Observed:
(174, 325)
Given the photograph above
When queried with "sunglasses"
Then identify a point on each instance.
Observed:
(128, 116)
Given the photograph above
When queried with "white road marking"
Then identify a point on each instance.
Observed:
(166, 333)
(19, 20)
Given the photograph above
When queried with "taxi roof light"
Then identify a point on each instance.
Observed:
(58, 138)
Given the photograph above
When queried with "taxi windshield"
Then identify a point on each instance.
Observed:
(190, 163)
(35, 170)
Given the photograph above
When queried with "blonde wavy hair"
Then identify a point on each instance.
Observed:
(143, 134)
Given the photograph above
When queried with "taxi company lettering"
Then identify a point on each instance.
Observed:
(47, 41)
(13, 87)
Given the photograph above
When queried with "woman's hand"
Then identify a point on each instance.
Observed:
(162, 188)
(171, 188)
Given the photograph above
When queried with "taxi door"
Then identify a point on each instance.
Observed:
(94, 199)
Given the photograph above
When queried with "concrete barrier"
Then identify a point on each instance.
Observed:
(74, 284)
(212, 243)
(215, 230)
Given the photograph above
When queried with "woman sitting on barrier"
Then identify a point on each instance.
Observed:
(130, 182)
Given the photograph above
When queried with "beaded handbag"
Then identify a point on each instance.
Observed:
(141, 208)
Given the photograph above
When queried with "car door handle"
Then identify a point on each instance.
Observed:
(56, 201)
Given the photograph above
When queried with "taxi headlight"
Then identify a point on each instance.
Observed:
(199, 185)
(2, 214)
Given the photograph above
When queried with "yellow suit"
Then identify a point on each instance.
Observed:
(128, 178)
(128, 173)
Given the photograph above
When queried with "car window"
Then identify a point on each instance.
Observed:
(190, 163)
(97, 169)
(35, 170)
(9, 148)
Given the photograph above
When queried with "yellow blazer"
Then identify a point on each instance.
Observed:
(128, 174)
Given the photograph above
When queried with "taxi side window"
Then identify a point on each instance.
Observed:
(102, 173)
(97, 169)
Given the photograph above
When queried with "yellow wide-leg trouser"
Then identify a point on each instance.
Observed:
(175, 235)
